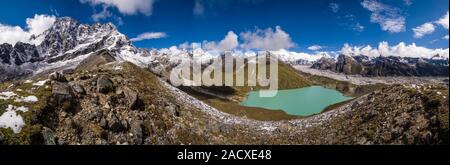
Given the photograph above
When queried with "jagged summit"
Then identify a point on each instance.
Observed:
(65, 44)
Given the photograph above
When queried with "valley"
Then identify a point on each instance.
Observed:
(306, 101)
(89, 85)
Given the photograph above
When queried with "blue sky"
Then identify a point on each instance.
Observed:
(328, 23)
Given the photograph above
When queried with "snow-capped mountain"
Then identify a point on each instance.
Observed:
(295, 58)
(385, 65)
(65, 44)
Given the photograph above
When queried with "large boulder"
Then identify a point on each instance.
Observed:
(136, 132)
(57, 76)
(78, 89)
(132, 99)
(48, 136)
(113, 122)
(63, 96)
(104, 84)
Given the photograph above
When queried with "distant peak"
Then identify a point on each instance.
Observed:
(109, 26)
(66, 19)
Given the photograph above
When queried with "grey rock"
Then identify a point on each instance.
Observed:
(125, 124)
(62, 141)
(136, 131)
(173, 110)
(120, 93)
(60, 88)
(103, 123)
(99, 141)
(371, 114)
(57, 76)
(225, 128)
(132, 98)
(104, 84)
(114, 124)
(84, 77)
(78, 89)
(49, 136)
(63, 97)
(112, 100)
(96, 114)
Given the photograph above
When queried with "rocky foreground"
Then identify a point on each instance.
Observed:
(109, 102)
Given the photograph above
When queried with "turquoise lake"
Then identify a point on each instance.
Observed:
(302, 102)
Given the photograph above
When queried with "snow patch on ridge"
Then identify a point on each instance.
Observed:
(7, 95)
(28, 99)
(10, 118)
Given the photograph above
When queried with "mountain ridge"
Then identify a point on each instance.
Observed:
(63, 43)
(100, 89)
(384, 66)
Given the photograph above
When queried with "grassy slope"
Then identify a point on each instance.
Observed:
(30, 130)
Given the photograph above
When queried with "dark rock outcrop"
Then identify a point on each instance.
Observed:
(19, 54)
(57, 76)
(24, 52)
(104, 84)
(48, 136)
(5, 53)
(348, 65)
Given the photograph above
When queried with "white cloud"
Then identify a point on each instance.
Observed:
(291, 56)
(422, 30)
(40, 23)
(267, 39)
(445, 37)
(35, 26)
(12, 34)
(315, 47)
(105, 13)
(443, 21)
(429, 27)
(127, 7)
(230, 42)
(358, 27)
(334, 7)
(185, 46)
(400, 50)
(149, 36)
(408, 2)
(366, 50)
(389, 18)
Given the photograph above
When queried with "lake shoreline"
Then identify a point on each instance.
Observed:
(307, 101)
